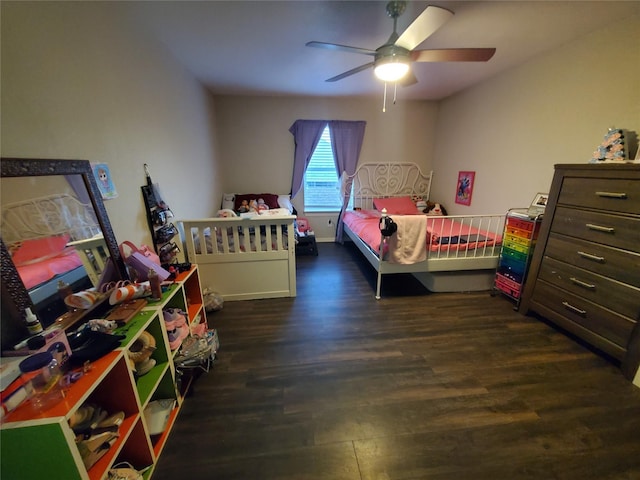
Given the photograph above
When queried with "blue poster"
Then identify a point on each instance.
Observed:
(105, 183)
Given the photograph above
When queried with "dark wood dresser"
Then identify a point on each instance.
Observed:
(585, 271)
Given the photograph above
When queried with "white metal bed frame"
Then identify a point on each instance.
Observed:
(54, 215)
(444, 269)
(376, 180)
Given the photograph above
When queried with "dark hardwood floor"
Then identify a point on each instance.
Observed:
(336, 385)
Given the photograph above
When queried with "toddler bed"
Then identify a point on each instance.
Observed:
(45, 236)
(446, 253)
(244, 258)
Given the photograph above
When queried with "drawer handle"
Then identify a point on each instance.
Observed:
(577, 310)
(612, 195)
(600, 228)
(589, 256)
(580, 283)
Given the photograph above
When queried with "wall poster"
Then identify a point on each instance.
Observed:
(104, 180)
(465, 187)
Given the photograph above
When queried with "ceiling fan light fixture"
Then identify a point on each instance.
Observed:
(391, 69)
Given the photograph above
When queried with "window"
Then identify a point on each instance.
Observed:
(321, 183)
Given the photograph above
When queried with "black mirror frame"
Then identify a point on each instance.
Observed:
(14, 292)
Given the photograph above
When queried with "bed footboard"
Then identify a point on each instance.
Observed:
(243, 258)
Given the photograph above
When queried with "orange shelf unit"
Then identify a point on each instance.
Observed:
(111, 383)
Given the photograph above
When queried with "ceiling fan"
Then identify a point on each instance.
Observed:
(392, 60)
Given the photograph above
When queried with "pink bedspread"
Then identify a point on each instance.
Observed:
(443, 234)
(34, 274)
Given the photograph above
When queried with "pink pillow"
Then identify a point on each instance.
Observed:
(30, 251)
(396, 205)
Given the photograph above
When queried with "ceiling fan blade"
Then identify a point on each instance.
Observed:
(341, 48)
(348, 73)
(453, 55)
(408, 80)
(422, 27)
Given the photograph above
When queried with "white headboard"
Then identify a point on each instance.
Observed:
(47, 216)
(376, 180)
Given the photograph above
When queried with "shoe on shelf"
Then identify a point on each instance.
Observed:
(173, 317)
(124, 471)
(176, 336)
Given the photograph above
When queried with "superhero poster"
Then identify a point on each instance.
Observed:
(465, 187)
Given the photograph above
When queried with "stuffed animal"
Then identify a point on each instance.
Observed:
(435, 209)
(226, 213)
(262, 206)
(253, 206)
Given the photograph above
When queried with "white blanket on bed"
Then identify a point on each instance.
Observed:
(409, 244)
(274, 212)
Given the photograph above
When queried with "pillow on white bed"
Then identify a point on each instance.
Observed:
(284, 201)
(396, 205)
(228, 201)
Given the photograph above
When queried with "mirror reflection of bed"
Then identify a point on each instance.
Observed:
(52, 237)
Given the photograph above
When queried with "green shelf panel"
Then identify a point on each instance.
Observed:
(160, 354)
(166, 387)
(146, 383)
(134, 326)
(19, 451)
(166, 295)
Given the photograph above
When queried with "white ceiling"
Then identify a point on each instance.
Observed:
(258, 47)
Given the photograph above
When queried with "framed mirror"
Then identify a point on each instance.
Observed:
(42, 176)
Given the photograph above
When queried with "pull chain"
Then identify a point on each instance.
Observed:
(384, 98)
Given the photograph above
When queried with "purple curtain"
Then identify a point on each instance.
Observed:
(346, 143)
(77, 184)
(80, 189)
(306, 135)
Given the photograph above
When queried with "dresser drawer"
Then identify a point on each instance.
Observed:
(526, 225)
(620, 265)
(619, 297)
(612, 230)
(519, 232)
(517, 246)
(611, 194)
(611, 326)
(524, 241)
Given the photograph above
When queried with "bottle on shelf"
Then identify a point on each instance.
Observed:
(64, 290)
(154, 282)
(33, 324)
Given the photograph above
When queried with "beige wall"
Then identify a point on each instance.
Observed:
(256, 148)
(79, 81)
(513, 128)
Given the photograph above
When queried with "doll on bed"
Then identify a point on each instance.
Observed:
(262, 206)
(244, 207)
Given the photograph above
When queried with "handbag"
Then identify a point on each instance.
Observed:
(142, 260)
